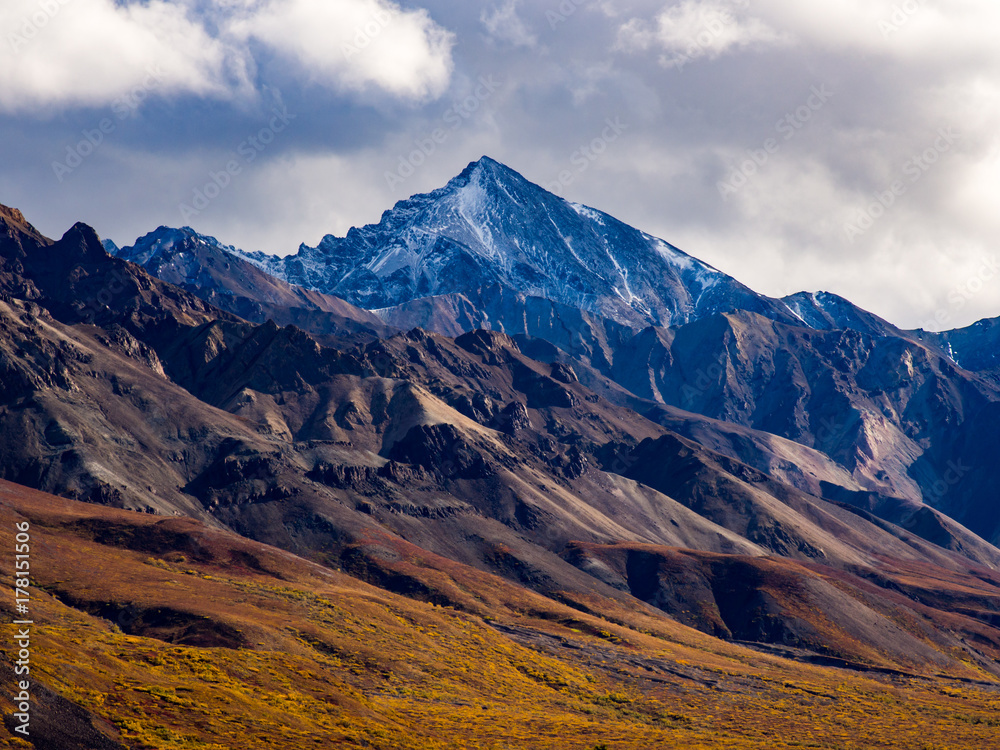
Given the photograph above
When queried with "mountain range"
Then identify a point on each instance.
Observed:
(573, 285)
(515, 407)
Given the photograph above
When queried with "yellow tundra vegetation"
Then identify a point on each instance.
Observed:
(237, 645)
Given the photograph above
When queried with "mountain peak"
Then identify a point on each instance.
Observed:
(489, 175)
(12, 214)
(492, 227)
(13, 220)
(165, 242)
(485, 164)
(488, 165)
(826, 311)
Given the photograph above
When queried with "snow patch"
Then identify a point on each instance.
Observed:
(670, 254)
(472, 208)
(796, 311)
(588, 213)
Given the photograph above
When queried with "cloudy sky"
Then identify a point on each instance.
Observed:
(851, 146)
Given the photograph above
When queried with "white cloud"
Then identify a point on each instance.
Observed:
(693, 30)
(505, 25)
(947, 33)
(65, 53)
(902, 71)
(356, 44)
(89, 52)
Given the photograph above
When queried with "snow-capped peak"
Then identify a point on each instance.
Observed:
(489, 226)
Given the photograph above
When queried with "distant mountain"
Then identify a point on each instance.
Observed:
(975, 347)
(489, 250)
(490, 227)
(221, 275)
(883, 407)
(829, 312)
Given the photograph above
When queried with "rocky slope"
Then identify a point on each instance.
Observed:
(975, 347)
(218, 274)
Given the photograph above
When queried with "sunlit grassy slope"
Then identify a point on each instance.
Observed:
(238, 645)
